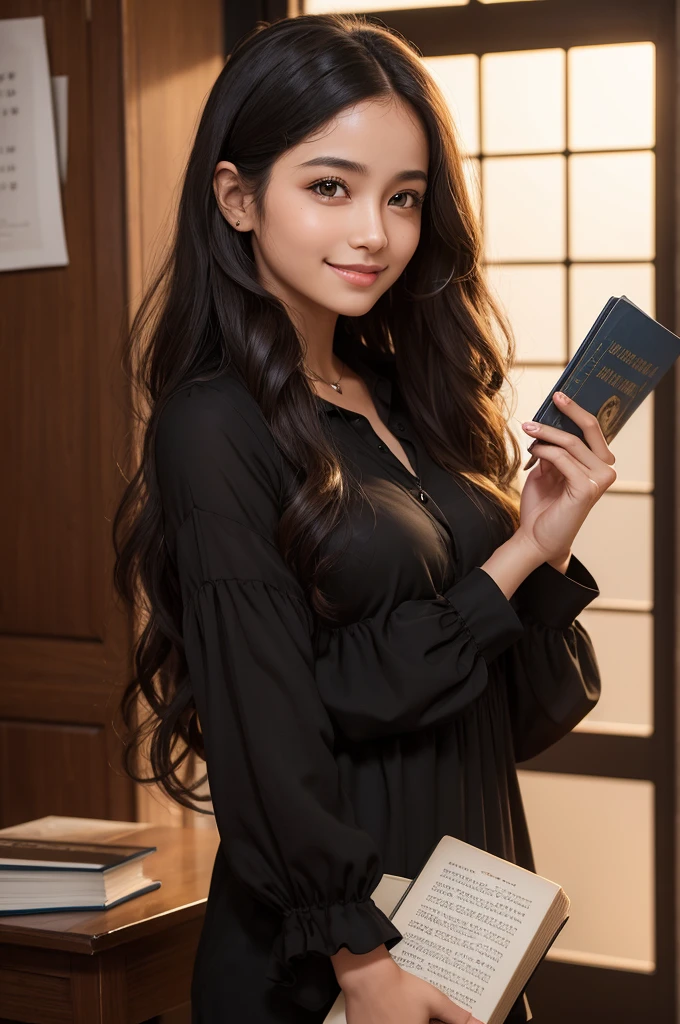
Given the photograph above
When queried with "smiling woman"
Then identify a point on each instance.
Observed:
(347, 613)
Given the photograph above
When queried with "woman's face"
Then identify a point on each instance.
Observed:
(368, 215)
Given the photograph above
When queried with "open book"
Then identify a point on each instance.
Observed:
(473, 925)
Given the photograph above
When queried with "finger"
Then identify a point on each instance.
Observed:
(466, 1019)
(589, 424)
(469, 1019)
(450, 1012)
(565, 439)
(585, 481)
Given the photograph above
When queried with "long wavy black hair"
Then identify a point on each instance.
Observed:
(205, 310)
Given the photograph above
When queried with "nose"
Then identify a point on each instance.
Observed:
(368, 228)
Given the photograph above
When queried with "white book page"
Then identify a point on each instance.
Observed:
(466, 924)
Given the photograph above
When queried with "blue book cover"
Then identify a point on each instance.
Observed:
(620, 361)
(19, 853)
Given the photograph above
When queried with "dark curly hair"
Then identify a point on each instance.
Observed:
(206, 309)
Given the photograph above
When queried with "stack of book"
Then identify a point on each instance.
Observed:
(42, 874)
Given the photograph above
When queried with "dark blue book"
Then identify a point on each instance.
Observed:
(619, 362)
(41, 876)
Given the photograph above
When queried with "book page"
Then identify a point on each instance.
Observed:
(466, 922)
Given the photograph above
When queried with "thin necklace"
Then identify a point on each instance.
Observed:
(335, 385)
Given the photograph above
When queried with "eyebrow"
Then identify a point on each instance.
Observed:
(350, 165)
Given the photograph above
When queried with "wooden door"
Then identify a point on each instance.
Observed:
(65, 410)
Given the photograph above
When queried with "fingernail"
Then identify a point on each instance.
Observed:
(530, 425)
(562, 397)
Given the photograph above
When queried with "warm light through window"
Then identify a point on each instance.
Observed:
(365, 6)
(523, 101)
(611, 96)
(611, 212)
(457, 77)
(524, 214)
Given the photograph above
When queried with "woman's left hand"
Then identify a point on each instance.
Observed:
(570, 478)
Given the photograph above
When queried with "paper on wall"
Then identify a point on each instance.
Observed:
(31, 220)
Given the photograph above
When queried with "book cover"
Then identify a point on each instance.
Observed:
(619, 362)
(43, 854)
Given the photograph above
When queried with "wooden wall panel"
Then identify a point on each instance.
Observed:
(51, 768)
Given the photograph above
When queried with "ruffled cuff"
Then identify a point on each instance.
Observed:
(555, 598)
(488, 614)
(323, 930)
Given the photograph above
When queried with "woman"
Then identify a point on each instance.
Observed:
(351, 615)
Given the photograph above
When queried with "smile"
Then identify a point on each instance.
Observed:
(363, 280)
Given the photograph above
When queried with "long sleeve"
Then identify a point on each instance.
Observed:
(428, 659)
(420, 664)
(552, 671)
(286, 826)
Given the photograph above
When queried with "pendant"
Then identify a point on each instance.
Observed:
(336, 387)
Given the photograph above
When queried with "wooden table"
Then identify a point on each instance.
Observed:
(120, 966)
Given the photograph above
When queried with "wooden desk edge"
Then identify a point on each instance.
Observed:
(90, 944)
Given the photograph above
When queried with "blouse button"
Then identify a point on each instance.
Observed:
(423, 497)
(382, 447)
(400, 426)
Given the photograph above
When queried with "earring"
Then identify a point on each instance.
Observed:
(237, 223)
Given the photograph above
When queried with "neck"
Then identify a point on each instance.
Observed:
(327, 375)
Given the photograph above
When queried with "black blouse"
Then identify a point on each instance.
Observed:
(338, 752)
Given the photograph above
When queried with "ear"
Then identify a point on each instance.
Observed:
(231, 196)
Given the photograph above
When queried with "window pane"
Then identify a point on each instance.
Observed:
(458, 78)
(611, 96)
(524, 208)
(615, 544)
(611, 206)
(361, 6)
(471, 168)
(626, 669)
(590, 285)
(534, 298)
(531, 385)
(523, 101)
(595, 836)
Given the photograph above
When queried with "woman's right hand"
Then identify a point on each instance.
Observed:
(386, 992)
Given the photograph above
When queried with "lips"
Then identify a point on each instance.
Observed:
(358, 268)
(360, 279)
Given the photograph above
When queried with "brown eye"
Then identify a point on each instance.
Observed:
(414, 196)
(327, 183)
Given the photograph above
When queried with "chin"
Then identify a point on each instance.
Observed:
(345, 305)
(354, 308)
